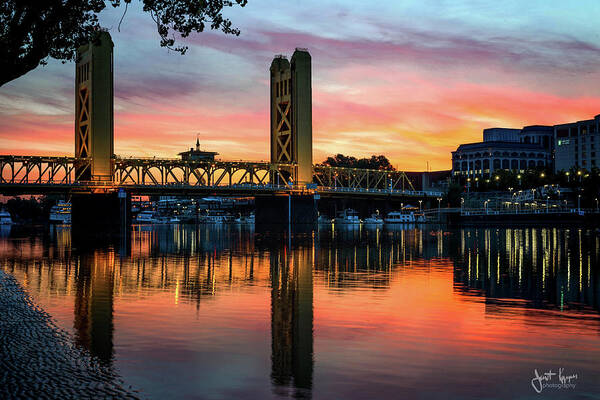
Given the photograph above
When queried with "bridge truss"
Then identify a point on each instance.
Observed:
(138, 174)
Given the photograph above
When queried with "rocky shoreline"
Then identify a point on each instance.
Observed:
(39, 360)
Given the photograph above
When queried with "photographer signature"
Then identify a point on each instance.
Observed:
(540, 381)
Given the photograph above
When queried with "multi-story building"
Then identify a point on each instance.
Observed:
(561, 147)
(577, 145)
(505, 149)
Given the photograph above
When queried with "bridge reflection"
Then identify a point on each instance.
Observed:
(537, 267)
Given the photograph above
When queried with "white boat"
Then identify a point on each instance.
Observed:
(374, 219)
(347, 217)
(245, 219)
(324, 219)
(215, 218)
(5, 218)
(174, 220)
(399, 217)
(146, 217)
(60, 213)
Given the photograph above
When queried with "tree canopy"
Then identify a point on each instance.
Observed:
(374, 162)
(31, 31)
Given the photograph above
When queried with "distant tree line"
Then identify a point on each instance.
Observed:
(374, 162)
(33, 209)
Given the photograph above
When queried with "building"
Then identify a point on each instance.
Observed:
(197, 154)
(291, 114)
(505, 149)
(576, 145)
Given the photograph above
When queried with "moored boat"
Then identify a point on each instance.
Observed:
(347, 217)
(60, 213)
(5, 218)
(399, 217)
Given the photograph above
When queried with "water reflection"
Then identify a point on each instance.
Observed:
(292, 320)
(199, 297)
(93, 308)
(549, 268)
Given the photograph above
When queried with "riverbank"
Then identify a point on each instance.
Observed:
(39, 360)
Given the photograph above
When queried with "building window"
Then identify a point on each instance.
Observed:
(563, 142)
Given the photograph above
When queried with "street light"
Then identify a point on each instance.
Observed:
(439, 199)
(519, 178)
(568, 174)
(578, 203)
(596, 199)
(420, 205)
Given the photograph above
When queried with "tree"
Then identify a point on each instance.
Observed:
(374, 162)
(31, 31)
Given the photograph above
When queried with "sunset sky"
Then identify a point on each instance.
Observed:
(408, 79)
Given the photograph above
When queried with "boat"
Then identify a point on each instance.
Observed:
(374, 219)
(5, 218)
(60, 213)
(245, 219)
(399, 217)
(215, 218)
(146, 217)
(324, 219)
(174, 220)
(347, 217)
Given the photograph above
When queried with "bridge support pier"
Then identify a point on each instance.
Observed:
(292, 209)
(100, 213)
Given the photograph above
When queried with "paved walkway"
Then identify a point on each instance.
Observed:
(40, 361)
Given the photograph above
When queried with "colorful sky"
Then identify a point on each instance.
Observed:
(408, 79)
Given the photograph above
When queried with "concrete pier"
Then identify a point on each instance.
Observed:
(100, 212)
(294, 209)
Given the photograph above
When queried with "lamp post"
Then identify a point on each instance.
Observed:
(578, 203)
(596, 200)
(579, 174)
(420, 205)
(439, 199)
(547, 198)
(519, 178)
(568, 174)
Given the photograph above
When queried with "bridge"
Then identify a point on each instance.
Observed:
(148, 176)
(96, 175)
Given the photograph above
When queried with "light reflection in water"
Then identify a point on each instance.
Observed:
(341, 309)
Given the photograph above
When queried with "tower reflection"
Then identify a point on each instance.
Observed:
(93, 308)
(292, 320)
